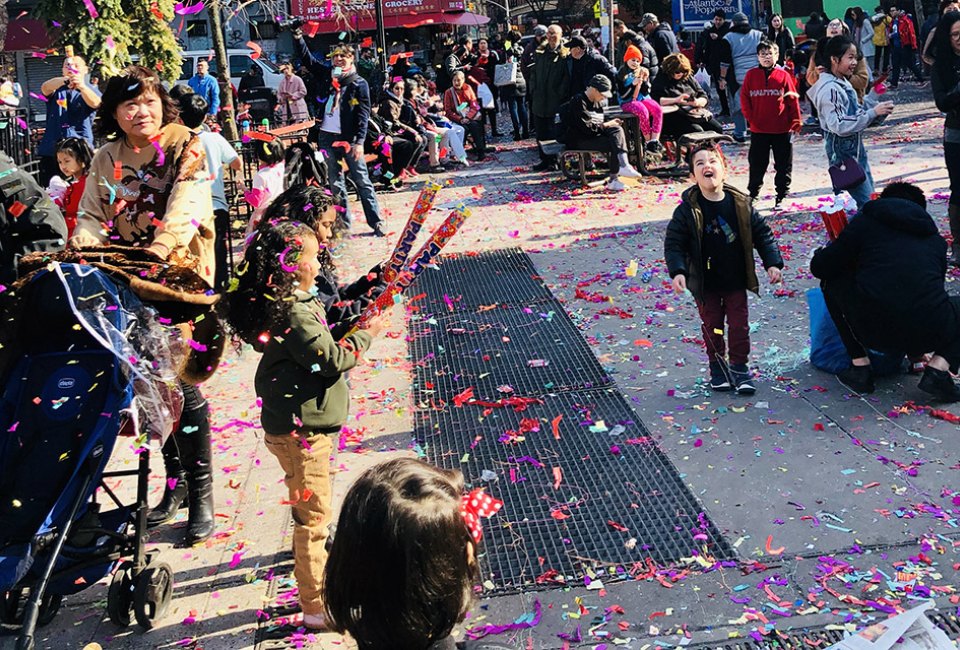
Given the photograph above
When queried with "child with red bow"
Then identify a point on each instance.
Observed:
(403, 564)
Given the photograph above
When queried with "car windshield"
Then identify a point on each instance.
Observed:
(270, 65)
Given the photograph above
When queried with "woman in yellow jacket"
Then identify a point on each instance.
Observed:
(881, 40)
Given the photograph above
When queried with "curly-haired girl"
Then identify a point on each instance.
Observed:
(300, 381)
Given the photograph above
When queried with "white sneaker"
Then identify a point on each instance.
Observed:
(616, 185)
(629, 172)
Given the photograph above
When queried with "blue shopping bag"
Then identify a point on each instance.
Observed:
(826, 349)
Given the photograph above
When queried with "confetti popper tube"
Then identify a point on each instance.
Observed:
(440, 237)
(397, 260)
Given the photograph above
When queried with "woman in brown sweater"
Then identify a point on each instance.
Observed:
(149, 187)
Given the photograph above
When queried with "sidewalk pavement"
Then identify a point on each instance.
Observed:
(801, 470)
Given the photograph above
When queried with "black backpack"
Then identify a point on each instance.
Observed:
(29, 219)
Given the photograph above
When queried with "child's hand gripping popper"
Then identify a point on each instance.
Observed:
(430, 249)
(398, 260)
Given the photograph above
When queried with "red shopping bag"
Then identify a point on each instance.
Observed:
(834, 222)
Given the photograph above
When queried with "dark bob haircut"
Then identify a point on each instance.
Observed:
(270, 152)
(193, 109)
(906, 191)
(79, 148)
(399, 576)
(133, 81)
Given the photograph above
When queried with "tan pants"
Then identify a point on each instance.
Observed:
(306, 466)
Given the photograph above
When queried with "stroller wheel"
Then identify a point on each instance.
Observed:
(120, 595)
(152, 593)
(49, 607)
(10, 607)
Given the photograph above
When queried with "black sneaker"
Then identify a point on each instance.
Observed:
(719, 379)
(544, 165)
(654, 146)
(742, 379)
(778, 203)
(859, 379)
(940, 384)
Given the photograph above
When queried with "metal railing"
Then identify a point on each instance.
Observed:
(15, 135)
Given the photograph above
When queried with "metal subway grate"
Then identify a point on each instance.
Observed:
(618, 501)
(504, 276)
(269, 635)
(817, 637)
(501, 351)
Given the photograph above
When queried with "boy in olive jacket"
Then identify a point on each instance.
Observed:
(709, 248)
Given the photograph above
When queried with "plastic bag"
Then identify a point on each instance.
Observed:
(485, 96)
(703, 78)
(827, 351)
(505, 74)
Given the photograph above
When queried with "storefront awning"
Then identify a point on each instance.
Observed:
(25, 33)
(360, 15)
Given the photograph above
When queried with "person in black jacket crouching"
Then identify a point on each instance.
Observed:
(585, 127)
(883, 282)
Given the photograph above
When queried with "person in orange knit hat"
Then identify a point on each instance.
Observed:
(634, 82)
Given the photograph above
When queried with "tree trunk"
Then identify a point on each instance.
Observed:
(223, 71)
(4, 21)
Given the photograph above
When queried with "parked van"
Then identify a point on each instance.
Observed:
(239, 62)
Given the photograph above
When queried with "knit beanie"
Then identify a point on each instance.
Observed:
(633, 52)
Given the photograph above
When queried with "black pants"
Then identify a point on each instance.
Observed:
(477, 133)
(883, 52)
(680, 123)
(759, 157)
(905, 57)
(544, 127)
(613, 142)
(951, 156)
(861, 325)
(490, 115)
(724, 104)
(221, 248)
(49, 167)
(402, 152)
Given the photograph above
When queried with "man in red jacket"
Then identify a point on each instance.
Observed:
(903, 44)
(771, 104)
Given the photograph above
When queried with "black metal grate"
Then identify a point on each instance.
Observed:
(612, 477)
(617, 499)
(529, 350)
(505, 276)
(817, 637)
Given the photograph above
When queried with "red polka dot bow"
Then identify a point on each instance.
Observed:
(475, 505)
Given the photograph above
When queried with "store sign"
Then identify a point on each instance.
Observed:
(322, 10)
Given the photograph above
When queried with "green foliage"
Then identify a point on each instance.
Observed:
(122, 27)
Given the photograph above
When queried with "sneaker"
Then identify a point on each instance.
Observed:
(315, 622)
(542, 166)
(742, 379)
(739, 139)
(940, 384)
(859, 379)
(811, 121)
(378, 232)
(719, 379)
(778, 202)
(654, 146)
(616, 185)
(628, 172)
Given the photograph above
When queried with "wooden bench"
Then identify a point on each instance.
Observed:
(576, 172)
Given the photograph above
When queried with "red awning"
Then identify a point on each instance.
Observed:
(359, 15)
(366, 23)
(26, 34)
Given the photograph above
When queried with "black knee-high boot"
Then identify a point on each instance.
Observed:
(174, 497)
(193, 439)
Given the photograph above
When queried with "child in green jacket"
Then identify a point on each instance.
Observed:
(300, 381)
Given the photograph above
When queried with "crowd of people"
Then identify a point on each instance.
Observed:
(155, 184)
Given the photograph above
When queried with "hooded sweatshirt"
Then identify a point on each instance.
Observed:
(842, 117)
(897, 257)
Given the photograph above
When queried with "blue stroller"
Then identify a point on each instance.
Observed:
(65, 399)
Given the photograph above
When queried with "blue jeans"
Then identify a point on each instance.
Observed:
(739, 121)
(518, 114)
(358, 172)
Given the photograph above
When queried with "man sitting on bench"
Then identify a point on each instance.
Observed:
(585, 127)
